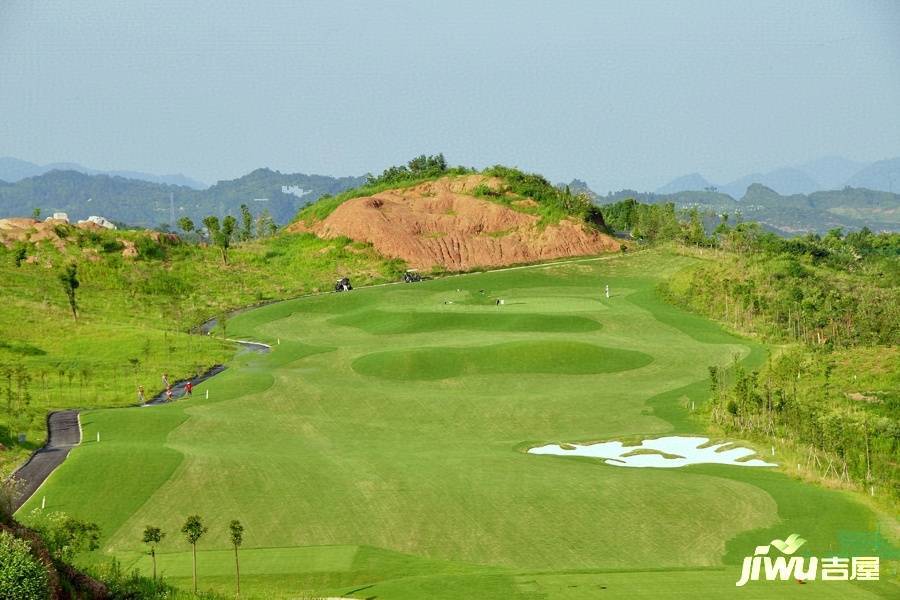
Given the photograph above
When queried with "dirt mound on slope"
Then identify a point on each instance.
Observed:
(21, 229)
(440, 223)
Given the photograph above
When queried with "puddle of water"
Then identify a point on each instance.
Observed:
(679, 451)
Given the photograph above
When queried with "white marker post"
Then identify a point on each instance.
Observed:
(98, 436)
(43, 502)
(207, 394)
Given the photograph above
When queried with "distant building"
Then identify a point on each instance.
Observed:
(101, 221)
(59, 216)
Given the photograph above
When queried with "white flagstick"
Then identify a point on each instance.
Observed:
(43, 502)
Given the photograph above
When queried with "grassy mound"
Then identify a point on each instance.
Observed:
(385, 322)
(527, 357)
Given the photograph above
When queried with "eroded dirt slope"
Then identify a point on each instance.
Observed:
(441, 223)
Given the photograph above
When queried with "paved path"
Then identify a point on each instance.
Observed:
(178, 387)
(64, 434)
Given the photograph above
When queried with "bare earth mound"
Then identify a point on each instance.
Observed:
(440, 223)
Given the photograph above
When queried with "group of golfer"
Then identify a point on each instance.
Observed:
(170, 392)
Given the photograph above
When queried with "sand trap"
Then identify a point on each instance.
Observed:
(664, 452)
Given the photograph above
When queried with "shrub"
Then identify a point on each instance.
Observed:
(111, 245)
(149, 249)
(22, 577)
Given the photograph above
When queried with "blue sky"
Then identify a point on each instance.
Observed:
(621, 94)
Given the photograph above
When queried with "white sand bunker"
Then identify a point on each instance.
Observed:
(664, 452)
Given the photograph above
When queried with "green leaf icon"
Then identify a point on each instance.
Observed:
(789, 545)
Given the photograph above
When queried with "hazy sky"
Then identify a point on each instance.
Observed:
(616, 93)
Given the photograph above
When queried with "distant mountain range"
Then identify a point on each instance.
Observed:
(827, 173)
(148, 204)
(847, 208)
(14, 169)
(770, 198)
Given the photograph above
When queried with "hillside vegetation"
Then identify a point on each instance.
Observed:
(833, 389)
(134, 313)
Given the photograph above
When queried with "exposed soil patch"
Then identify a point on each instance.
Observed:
(439, 223)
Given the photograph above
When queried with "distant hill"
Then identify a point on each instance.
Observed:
(147, 204)
(785, 180)
(577, 186)
(832, 172)
(882, 175)
(14, 169)
(822, 174)
(848, 208)
(694, 181)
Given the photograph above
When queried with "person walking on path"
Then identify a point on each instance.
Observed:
(189, 388)
(165, 379)
(169, 396)
(141, 398)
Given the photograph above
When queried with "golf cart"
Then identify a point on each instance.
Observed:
(343, 285)
(411, 276)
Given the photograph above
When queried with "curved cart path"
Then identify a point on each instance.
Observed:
(64, 434)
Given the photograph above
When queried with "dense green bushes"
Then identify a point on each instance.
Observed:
(553, 203)
(834, 394)
(22, 576)
(828, 290)
(845, 428)
(421, 167)
(658, 222)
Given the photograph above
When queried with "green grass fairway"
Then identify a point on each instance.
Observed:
(378, 451)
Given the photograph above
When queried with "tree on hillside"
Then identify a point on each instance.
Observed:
(152, 537)
(220, 234)
(419, 167)
(66, 536)
(186, 224)
(20, 253)
(236, 531)
(193, 529)
(69, 280)
(265, 224)
(246, 224)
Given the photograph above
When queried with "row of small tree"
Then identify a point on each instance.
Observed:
(194, 529)
(223, 233)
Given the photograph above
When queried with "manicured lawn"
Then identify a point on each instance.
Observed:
(380, 448)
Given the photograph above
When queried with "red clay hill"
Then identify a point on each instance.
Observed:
(441, 223)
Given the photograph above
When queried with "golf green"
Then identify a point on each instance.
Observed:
(379, 451)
